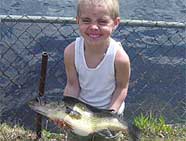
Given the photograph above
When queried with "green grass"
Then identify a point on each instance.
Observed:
(18, 133)
(152, 126)
(8, 133)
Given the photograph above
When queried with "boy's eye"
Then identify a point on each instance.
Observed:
(102, 22)
(86, 20)
(99, 21)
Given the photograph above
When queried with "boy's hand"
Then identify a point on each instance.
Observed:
(59, 123)
(112, 111)
(62, 124)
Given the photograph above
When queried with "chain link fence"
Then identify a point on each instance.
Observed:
(157, 51)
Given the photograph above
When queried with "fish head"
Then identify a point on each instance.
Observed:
(51, 110)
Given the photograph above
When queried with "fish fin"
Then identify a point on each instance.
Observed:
(41, 100)
(134, 132)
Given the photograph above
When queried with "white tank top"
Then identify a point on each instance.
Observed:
(97, 84)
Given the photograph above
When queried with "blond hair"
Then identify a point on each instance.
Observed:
(112, 5)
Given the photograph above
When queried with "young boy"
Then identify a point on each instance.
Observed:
(97, 67)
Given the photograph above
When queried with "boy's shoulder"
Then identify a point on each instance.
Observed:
(121, 54)
(71, 45)
(70, 50)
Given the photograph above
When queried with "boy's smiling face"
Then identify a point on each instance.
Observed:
(96, 24)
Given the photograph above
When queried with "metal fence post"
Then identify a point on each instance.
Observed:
(41, 91)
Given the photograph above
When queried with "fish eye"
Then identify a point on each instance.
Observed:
(72, 113)
(68, 110)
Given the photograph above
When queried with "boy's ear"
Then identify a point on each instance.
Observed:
(116, 22)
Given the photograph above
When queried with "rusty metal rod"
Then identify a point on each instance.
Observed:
(41, 91)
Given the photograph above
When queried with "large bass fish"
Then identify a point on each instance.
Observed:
(81, 118)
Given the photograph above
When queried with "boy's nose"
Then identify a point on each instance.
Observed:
(94, 26)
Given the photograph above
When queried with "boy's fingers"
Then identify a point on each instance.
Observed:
(62, 124)
(59, 123)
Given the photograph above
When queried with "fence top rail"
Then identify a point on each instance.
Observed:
(72, 20)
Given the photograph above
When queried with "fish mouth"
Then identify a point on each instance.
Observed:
(35, 106)
(58, 122)
(37, 110)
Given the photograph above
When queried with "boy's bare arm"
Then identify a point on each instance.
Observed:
(72, 86)
(122, 70)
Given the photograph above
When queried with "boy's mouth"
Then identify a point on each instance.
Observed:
(94, 36)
